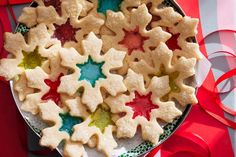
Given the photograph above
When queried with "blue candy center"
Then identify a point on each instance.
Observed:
(91, 71)
(104, 5)
(68, 122)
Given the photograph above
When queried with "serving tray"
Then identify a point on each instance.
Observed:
(126, 147)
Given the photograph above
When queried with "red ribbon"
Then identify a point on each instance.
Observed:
(195, 139)
(222, 78)
(216, 98)
(204, 90)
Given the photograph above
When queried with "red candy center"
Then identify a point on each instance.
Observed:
(142, 105)
(133, 40)
(65, 32)
(55, 3)
(52, 94)
(172, 43)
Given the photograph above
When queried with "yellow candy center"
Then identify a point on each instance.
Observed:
(172, 77)
(101, 118)
(31, 60)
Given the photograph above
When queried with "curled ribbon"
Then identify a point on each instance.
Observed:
(216, 98)
(222, 78)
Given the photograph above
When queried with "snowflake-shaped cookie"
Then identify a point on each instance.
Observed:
(21, 87)
(64, 21)
(51, 11)
(99, 9)
(61, 130)
(178, 72)
(57, 4)
(183, 29)
(92, 71)
(131, 35)
(142, 106)
(45, 83)
(99, 125)
(161, 15)
(26, 55)
(185, 39)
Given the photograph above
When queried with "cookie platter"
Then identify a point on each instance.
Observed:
(134, 82)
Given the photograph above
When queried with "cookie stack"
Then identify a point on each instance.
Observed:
(98, 69)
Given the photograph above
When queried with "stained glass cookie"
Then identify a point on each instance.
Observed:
(46, 85)
(63, 19)
(178, 72)
(91, 71)
(142, 107)
(99, 125)
(25, 55)
(31, 59)
(61, 129)
(21, 87)
(131, 35)
(171, 21)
